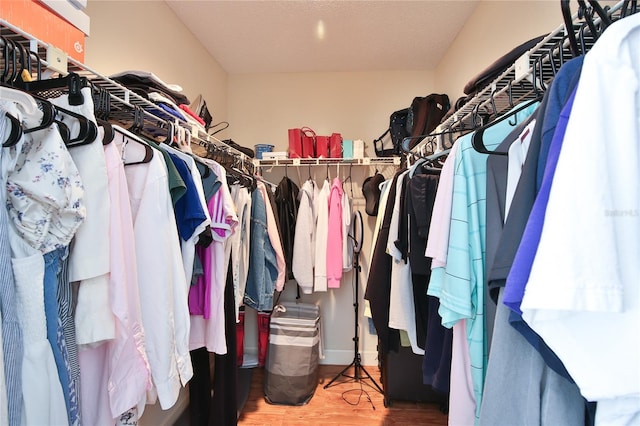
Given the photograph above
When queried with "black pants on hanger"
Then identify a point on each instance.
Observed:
(221, 407)
(200, 388)
(224, 404)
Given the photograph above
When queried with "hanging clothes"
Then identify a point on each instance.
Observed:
(192, 215)
(163, 290)
(461, 288)
(462, 403)
(335, 235)
(348, 243)
(274, 235)
(287, 203)
(596, 211)
(263, 266)
(210, 332)
(45, 391)
(12, 336)
(401, 306)
(305, 236)
(240, 244)
(88, 259)
(379, 279)
(116, 374)
(321, 234)
(513, 362)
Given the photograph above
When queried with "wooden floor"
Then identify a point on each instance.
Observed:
(330, 407)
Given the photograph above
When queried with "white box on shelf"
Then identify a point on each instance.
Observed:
(358, 148)
(274, 155)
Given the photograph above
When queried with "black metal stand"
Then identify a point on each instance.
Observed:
(358, 368)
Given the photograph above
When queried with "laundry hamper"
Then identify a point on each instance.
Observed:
(291, 369)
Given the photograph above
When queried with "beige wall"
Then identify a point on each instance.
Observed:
(147, 35)
(494, 28)
(356, 104)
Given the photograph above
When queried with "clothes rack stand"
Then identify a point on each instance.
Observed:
(360, 374)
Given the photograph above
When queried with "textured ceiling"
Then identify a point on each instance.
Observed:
(281, 36)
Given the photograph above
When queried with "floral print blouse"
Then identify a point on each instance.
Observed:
(44, 189)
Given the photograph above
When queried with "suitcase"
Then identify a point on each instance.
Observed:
(291, 369)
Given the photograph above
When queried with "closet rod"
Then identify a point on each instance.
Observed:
(327, 161)
(494, 99)
(119, 94)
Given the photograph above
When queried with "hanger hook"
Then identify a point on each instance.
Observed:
(493, 102)
(474, 115)
(543, 85)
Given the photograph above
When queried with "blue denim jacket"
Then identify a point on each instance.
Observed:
(263, 268)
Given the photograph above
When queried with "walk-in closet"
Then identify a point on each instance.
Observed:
(319, 212)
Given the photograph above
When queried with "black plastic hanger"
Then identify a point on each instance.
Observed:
(128, 137)
(64, 131)
(109, 133)
(13, 59)
(48, 114)
(476, 139)
(568, 24)
(16, 131)
(88, 131)
(72, 83)
(629, 8)
(7, 61)
(603, 13)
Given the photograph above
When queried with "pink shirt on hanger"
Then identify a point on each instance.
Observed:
(334, 235)
(116, 375)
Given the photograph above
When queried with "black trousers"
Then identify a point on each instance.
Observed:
(213, 401)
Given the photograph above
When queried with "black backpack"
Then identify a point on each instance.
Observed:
(425, 115)
(421, 118)
(397, 131)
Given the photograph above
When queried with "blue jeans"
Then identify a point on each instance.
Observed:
(52, 265)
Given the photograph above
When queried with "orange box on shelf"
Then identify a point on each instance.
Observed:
(38, 21)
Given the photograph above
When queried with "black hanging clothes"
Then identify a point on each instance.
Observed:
(224, 403)
(379, 281)
(287, 204)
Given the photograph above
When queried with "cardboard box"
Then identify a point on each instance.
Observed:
(35, 19)
(71, 13)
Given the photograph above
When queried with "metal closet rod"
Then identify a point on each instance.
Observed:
(542, 62)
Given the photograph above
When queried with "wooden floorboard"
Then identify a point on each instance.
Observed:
(338, 405)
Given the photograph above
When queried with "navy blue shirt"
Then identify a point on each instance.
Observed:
(188, 209)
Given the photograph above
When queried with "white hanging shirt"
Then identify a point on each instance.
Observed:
(161, 279)
(305, 238)
(89, 251)
(402, 313)
(322, 229)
